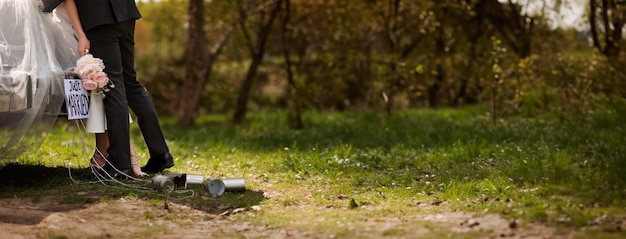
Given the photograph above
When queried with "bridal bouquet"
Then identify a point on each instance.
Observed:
(90, 70)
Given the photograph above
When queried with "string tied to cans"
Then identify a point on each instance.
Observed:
(169, 182)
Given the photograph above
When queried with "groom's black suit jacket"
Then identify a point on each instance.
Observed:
(100, 12)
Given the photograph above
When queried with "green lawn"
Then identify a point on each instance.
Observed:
(562, 170)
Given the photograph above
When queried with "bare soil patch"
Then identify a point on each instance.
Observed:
(48, 217)
(123, 218)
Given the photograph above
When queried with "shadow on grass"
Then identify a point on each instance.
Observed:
(24, 192)
(30, 193)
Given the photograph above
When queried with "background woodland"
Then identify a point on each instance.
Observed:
(230, 57)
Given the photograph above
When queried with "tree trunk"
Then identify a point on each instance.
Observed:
(244, 92)
(294, 117)
(514, 28)
(461, 95)
(196, 58)
(592, 24)
(612, 25)
(440, 51)
(199, 60)
(390, 21)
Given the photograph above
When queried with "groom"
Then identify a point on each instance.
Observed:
(110, 26)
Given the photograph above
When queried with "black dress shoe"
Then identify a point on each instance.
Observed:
(158, 163)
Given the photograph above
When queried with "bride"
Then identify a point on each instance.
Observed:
(36, 50)
(33, 56)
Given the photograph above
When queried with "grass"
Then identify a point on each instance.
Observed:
(354, 166)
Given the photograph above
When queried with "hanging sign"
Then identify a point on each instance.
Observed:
(76, 99)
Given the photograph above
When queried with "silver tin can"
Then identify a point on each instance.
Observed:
(234, 184)
(180, 180)
(194, 180)
(214, 186)
(217, 187)
(163, 183)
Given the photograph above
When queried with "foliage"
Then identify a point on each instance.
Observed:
(160, 38)
(384, 55)
(561, 84)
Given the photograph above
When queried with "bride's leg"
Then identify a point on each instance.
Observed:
(100, 154)
(134, 162)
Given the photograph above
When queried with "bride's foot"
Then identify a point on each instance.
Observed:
(97, 160)
(136, 168)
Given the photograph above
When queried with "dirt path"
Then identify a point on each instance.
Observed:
(123, 218)
(133, 218)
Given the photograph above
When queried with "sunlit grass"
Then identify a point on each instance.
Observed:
(564, 171)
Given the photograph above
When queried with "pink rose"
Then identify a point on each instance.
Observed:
(88, 71)
(89, 84)
(101, 78)
(88, 59)
(84, 59)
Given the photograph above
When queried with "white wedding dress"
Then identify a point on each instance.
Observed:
(36, 50)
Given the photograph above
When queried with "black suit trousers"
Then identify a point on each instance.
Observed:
(115, 45)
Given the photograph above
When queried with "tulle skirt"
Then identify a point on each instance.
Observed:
(36, 50)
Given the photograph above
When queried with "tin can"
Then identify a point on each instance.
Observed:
(234, 184)
(163, 183)
(214, 186)
(180, 180)
(217, 187)
(194, 180)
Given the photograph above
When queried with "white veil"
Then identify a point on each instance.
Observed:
(36, 49)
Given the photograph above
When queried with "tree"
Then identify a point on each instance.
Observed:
(515, 28)
(257, 51)
(606, 21)
(158, 51)
(199, 60)
(294, 117)
(336, 55)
